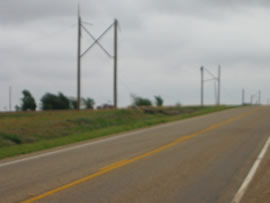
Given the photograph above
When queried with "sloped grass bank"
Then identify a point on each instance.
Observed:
(22, 133)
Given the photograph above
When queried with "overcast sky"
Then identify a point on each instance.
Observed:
(162, 45)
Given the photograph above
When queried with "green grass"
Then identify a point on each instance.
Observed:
(22, 133)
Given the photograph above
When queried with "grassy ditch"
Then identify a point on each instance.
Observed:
(22, 133)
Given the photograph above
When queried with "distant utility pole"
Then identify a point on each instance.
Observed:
(259, 97)
(219, 81)
(251, 99)
(216, 79)
(96, 42)
(243, 96)
(202, 85)
(115, 63)
(79, 62)
(10, 98)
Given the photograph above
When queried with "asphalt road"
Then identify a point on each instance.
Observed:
(203, 159)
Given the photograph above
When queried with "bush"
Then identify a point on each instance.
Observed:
(12, 138)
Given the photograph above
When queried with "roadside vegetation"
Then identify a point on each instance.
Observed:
(25, 132)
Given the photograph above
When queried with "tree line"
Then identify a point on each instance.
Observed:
(51, 101)
(59, 101)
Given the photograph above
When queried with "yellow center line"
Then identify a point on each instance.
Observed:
(122, 163)
(114, 165)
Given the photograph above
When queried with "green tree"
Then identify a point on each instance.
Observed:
(55, 102)
(89, 103)
(139, 101)
(159, 100)
(28, 101)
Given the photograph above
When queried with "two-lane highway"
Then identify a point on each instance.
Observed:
(203, 159)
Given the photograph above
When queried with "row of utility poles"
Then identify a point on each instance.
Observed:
(81, 27)
(114, 25)
(217, 83)
(96, 41)
(258, 95)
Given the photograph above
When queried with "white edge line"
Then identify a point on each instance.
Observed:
(240, 193)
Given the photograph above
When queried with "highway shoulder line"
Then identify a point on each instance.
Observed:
(242, 190)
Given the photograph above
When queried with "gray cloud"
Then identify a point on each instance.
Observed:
(17, 11)
(161, 47)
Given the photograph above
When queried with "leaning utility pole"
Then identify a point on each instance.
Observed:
(79, 62)
(202, 81)
(115, 63)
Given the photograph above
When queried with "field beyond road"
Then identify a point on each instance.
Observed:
(26, 132)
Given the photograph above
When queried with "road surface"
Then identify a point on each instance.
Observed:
(203, 159)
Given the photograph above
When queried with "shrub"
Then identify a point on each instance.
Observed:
(139, 101)
(159, 100)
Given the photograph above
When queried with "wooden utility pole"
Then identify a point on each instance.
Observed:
(219, 85)
(115, 64)
(10, 98)
(79, 62)
(202, 81)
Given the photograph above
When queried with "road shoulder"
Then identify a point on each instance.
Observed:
(259, 188)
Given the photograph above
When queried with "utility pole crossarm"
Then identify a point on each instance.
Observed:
(97, 42)
(214, 77)
(100, 37)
